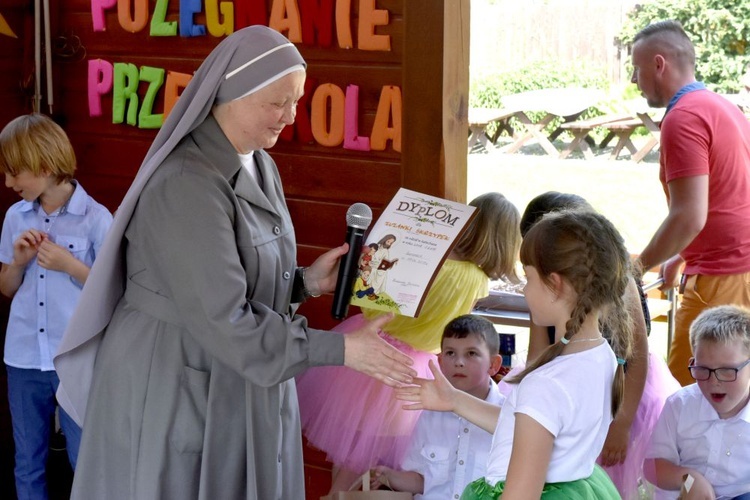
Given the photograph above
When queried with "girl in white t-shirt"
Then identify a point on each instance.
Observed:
(554, 423)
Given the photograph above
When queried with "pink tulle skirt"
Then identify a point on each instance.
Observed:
(354, 418)
(660, 384)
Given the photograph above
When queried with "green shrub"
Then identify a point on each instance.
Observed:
(719, 29)
(488, 91)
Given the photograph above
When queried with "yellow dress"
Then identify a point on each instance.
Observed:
(457, 286)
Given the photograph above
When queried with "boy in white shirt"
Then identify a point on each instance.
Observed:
(448, 452)
(702, 438)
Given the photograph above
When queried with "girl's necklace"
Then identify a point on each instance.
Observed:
(586, 340)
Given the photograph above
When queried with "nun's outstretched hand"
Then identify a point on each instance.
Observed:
(425, 394)
(366, 352)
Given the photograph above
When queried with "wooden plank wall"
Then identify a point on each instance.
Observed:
(428, 60)
(14, 99)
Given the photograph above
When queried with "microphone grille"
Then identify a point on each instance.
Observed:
(359, 215)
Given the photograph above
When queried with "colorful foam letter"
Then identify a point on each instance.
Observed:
(155, 78)
(389, 111)
(285, 17)
(369, 17)
(188, 10)
(125, 88)
(97, 13)
(352, 139)
(138, 20)
(343, 24)
(175, 83)
(99, 83)
(328, 135)
(159, 24)
(215, 27)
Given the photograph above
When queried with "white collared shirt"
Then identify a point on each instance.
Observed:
(690, 433)
(449, 451)
(44, 303)
(248, 162)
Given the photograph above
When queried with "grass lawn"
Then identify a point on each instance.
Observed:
(628, 193)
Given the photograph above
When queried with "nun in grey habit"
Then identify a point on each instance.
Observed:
(179, 360)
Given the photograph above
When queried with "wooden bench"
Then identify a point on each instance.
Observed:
(618, 126)
(481, 118)
(622, 130)
(581, 129)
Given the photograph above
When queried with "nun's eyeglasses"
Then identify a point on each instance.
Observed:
(701, 373)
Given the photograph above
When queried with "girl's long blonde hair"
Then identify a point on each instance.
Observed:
(492, 238)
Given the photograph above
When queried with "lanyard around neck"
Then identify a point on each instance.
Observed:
(690, 87)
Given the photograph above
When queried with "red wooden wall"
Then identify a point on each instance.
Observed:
(13, 100)
(428, 60)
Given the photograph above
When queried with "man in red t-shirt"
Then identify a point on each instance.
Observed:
(705, 171)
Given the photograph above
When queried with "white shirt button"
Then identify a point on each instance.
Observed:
(276, 230)
(287, 275)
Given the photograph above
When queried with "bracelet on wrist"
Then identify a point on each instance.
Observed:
(306, 291)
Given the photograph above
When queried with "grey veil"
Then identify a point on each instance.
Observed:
(241, 64)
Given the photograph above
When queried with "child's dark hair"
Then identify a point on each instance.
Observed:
(554, 201)
(551, 201)
(492, 239)
(585, 249)
(471, 324)
(374, 246)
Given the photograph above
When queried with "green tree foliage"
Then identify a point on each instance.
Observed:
(719, 29)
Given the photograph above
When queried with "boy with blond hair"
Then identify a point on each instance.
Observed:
(702, 439)
(48, 244)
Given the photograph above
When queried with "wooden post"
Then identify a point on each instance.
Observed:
(435, 89)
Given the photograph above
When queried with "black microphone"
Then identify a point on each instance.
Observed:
(358, 219)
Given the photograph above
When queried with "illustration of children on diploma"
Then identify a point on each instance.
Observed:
(366, 257)
(381, 262)
(362, 286)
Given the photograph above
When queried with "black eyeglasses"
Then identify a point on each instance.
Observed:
(701, 373)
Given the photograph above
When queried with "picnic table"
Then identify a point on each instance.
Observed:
(510, 309)
(566, 103)
(621, 126)
(479, 121)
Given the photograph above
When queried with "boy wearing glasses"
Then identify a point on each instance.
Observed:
(701, 442)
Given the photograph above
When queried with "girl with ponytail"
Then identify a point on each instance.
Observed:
(554, 423)
(648, 381)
